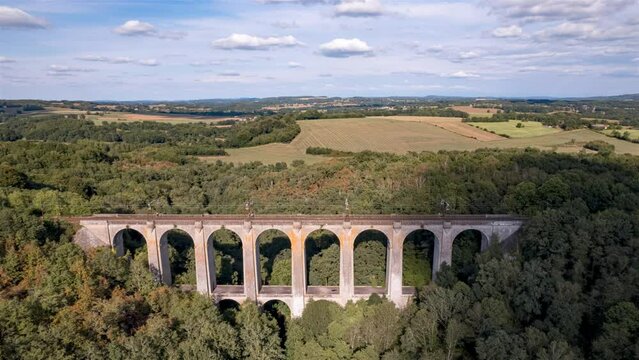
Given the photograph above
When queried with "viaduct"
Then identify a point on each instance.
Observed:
(107, 230)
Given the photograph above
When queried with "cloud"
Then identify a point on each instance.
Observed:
(106, 59)
(303, 2)
(140, 28)
(136, 28)
(508, 32)
(148, 62)
(435, 49)
(636, 59)
(587, 31)
(250, 42)
(359, 8)
(294, 65)
(6, 60)
(16, 18)
(118, 60)
(63, 70)
(467, 55)
(341, 48)
(461, 75)
(550, 10)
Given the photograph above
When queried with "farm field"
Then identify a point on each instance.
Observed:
(530, 129)
(267, 154)
(131, 117)
(634, 134)
(476, 112)
(400, 136)
(454, 125)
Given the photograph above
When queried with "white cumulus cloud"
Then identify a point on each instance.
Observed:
(15, 18)
(461, 75)
(136, 28)
(250, 42)
(359, 8)
(345, 48)
(508, 32)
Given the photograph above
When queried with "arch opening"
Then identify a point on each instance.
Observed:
(274, 260)
(370, 256)
(466, 246)
(129, 242)
(132, 244)
(322, 262)
(228, 309)
(226, 247)
(181, 256)
(418, 257)
(279, 311)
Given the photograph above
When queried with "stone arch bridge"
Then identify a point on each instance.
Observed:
(107, 230)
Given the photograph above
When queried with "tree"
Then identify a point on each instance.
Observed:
(324, 267)
(258, 334)
(10, 177)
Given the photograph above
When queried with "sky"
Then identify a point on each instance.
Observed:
(203, 49)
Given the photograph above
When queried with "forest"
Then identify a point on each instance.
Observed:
(570, 290)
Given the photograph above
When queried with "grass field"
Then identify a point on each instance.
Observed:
(476, 112)
(131, 117)
(402, 135)
(634, 134)
(530, 129)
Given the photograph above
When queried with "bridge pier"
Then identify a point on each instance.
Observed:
(298, 269)
(394, 268)
(251, 263)
(106, 230)
(346, 269)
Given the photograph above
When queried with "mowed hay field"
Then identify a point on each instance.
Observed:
(477, 112)
(402, 134)
(529, 129)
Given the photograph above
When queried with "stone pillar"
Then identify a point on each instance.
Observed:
(298, 269)
(158, 255)
(204, 262)
(395, 253)
(445, 253)
(250, 261)
(346, 269)
(118, 243)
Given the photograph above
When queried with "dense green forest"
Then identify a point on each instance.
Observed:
(570, 290)
(203, 139)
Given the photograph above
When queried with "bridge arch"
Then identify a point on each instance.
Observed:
(322, 257)
(483, 233)
(224, 248)
(419, 258)
(466, 245)
(128, 241)
(274, 261)
(177, 250)
(370, 261)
